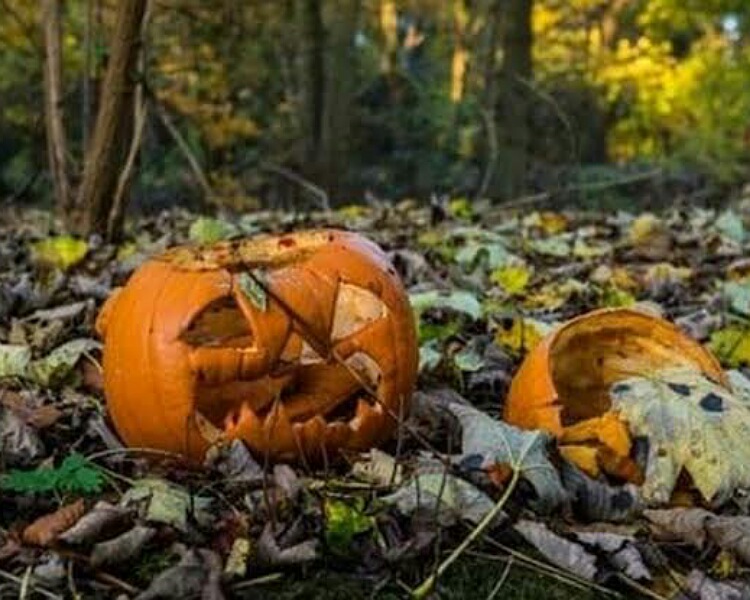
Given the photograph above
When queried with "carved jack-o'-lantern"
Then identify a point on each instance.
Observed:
(299, 345)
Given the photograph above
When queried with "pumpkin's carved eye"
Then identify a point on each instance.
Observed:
(221, 324)
(355, 308)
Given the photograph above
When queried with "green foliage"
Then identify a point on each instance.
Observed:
(75, 475)
(345, 520)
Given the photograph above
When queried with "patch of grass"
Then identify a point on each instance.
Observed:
(469, 578)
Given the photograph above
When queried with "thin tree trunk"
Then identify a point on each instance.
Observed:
(339, 92)
(88, 50)
(53, 103)
(312, 80)
(389, 30)
(460, 59)
(514, 99)
(114, 124)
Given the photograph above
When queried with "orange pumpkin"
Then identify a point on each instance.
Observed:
(299, 345)
(563, 384)
(566, 378)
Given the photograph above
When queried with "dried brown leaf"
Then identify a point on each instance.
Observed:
(46, 529)
(97, 524)
(123, 547)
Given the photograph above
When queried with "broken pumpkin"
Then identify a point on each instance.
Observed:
(299, 345)
(563, 385)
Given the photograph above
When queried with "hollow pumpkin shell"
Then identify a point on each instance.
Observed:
(299, 345)
(566, 378)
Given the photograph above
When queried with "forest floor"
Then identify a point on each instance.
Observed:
(82, 516)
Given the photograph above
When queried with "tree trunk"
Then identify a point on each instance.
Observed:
(460, 58)
(113, 129)
(53, 103)
(312, 81)
(389, 30)
(514, 101)
(339, 93)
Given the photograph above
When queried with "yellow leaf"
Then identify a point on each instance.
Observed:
(61, 252)
(513, 279)
(521, 334)
(731, 345)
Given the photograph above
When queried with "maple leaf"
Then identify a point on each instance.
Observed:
(691, 423)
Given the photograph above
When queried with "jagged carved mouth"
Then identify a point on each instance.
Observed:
(250, 376)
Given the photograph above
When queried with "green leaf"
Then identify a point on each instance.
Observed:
(429, 356)
(54, 369)
(459, 301)
(62, 252)
(737, 295)
(513, 279)
(731, 345)
(344, 520)
(74, 475)
(253, 290)
(14, 360)
(468, 359)
(730, 225)
(207, 230)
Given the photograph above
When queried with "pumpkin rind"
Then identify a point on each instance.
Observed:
(262, 340)
(585, 354)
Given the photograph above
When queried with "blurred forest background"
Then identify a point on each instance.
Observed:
(309, 103)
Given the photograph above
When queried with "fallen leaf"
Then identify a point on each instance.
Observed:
(343, 521)
(165, 502)
(14, 360)
(496, 442)
(197, 575)
(207, 230)
(558, 550)
(459, 301)
(620, 551)
(269, 552)
(521, 334)
(123, 547)
(378, 468)
(20, 443)
(446, 496)
(61, 252)
(593, 500)
(512, 279)
(731, 345)
(683, 524)
(698, 586)
(96, 524)
(236, 566)
(45, 530)
(691, 423)
(54, 368)
(730, 225)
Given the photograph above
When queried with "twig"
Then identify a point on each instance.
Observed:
(586, 187)
(428, 584)
(21, 582)
(426, 587)
(315, 190)
(500, 582)
(270, 578)
(184, 148)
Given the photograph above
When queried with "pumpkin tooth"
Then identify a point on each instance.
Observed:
(365, 412)
(240, 423)
(277, 425)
